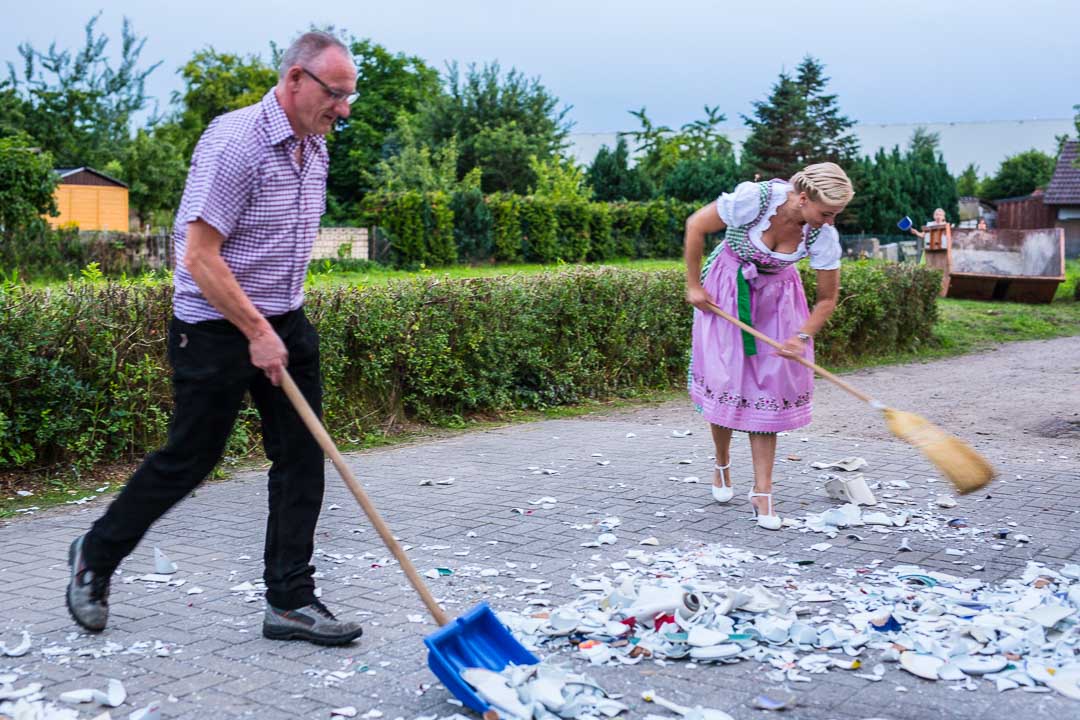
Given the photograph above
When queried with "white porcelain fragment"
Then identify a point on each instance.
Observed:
(19, 650)
(980, 664)
(113, 696)
(921, 665)
(847, 464)
(150, 712)
(74, 697)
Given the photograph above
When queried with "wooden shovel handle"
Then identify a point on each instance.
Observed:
(801, 360)
(328, 447)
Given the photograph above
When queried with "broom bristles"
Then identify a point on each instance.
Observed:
(966, 469)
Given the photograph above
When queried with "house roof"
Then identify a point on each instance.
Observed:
(68, 172)
(1064, 187)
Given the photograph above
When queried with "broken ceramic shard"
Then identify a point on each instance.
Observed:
(924, 666)
(18, 650)
(694, 713)
(847, 464)
(74, 697)
(162, 564)
(113, 696)
(150, 712)
(849, 489)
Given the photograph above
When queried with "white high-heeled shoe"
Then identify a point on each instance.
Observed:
(769, 521)
(722, 493)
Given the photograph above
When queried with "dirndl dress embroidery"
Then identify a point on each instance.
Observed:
(734, 380)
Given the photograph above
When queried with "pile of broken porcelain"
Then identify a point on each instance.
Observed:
(697, 605)
(542, 691)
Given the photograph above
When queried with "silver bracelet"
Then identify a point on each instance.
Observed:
(805, 337)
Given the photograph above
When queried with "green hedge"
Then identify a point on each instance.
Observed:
(84, 379)
(512, 228)
(420, 227)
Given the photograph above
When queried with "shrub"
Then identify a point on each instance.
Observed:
(84, 378)
(883, 307)
(506, 227)
(420, 226)
(572, 220)
(539, 230)
(472, 225)
(627, 219)
(601, 238)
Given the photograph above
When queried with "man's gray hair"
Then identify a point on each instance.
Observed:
(306, 48)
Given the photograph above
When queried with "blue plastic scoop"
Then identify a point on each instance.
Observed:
(476, 640)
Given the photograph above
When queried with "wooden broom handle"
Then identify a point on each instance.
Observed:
(328, 447)
(799, 359)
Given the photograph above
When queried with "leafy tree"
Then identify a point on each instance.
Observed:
(662, 149)
(12, 118)
(390, 84)
(1019, 175)
(612, 178)
(799, 124)
(415, 166)
(154, 169)
(500, 122)
(657, 153)
(702, 180)
(967, 185)
(77, 105)
(27, 184)
(215, 83)
(560, 179)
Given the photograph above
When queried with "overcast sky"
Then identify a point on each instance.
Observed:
(899, 61)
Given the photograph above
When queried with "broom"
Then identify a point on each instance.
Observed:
(966, 469)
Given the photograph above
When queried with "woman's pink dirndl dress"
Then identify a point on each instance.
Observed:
(736, 381)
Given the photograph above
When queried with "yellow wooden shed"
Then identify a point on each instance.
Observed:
(90, 199)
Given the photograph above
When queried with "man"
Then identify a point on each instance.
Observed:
(244, 232)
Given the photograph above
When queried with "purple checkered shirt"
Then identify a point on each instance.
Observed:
(244, 182)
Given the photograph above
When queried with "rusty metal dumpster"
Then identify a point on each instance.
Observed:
(1016, 265)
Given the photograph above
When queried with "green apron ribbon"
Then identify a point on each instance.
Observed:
(749, 345)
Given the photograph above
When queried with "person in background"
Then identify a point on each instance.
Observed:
(939, 219)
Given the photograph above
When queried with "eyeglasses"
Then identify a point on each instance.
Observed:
(338, 96)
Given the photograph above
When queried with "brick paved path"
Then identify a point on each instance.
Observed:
(214, 663)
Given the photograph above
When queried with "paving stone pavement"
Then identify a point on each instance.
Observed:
(218, 665)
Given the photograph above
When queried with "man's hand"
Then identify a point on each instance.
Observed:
(268, 353)
(696, 296)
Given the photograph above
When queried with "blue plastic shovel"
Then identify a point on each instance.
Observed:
(476, 640)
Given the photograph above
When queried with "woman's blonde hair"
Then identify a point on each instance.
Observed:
(824, 182)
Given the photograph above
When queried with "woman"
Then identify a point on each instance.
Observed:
(738, 383)
(939, 219)
(940, 235)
